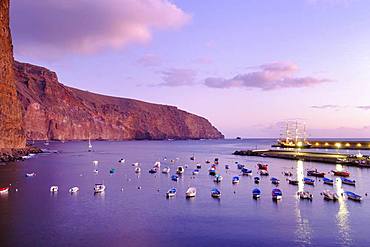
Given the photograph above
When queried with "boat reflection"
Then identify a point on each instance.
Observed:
(342, 218)
(304, 231)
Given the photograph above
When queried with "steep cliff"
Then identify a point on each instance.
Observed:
(52, 110)
(11, 134)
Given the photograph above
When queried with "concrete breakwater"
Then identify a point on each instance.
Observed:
(331, 158)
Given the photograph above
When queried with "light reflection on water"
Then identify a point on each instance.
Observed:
(304, 231)
(342, 217)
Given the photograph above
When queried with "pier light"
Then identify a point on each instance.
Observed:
(326, 144)
(299, 144)
(359, 145)
(317, 144)
(348, 145)
(338, 145)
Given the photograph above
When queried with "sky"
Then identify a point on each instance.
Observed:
(245, 65)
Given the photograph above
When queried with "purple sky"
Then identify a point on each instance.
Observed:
(246, 65)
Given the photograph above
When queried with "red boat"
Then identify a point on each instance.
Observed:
(4, 189)
(263, 166)
(341, 173)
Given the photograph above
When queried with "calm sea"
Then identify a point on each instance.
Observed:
(135, 212)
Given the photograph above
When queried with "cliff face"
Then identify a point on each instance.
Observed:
(54, 111)
(11, 134)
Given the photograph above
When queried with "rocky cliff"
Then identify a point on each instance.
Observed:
(52, 110)
(11, 134)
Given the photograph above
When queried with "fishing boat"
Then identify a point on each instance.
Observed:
(240, 166)
(348, 181)
(137, 169)
(277, 194)
(112, 170)
(4, 190)
(153, 170)
(191, 192)
(157, 165)
(315, 173)
(212, 171)
(74, 189)
(195, 171)
(263, 166)
(328, 181)
(227, 167)
(256, 193)
(199, 166)
(236, 180)
(330, 196)
(275, 181)
(32, 174)
(166, 170)
(180, 170)
(288, 173)
(264, 173)
(171, 192)
(353, 196)
(215, 193)
(256, 180)
(341, 173)
(305, 195)
(99, 188)
(218, 178)
(175, 178)
(54, 189)
(293, 181)
(246, 171)
(309, 181)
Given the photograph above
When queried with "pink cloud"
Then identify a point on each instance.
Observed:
(178, 77)
(88, 26)
(266, 77)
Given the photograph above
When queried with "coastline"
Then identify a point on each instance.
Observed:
(14, 154)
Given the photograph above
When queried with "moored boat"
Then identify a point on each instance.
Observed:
(264, 173)
(305, 195)
(236, 180)
(218, 178)
(54, 188)
(157, 165)
(293, 181)
(246, 171)
(112, 170)
(137, 169)
(195, 171)
(199, 166)
(256, 180)
(309, 181)
(328, 181)
(240, 166)
(288, 173)
(99, 188)
(353, 196)
(4, 190)
(341, 173)
(215, 193)
(191, 192)
(166, 170)
(171, 192)
(348, 181)
(180, 170)
(256, 193)
(212, 171)
(277, 194)
(315, 173)
(330, 196)
(227, 167)
(263, 166)
(32, 174)
(74, 189)
(153, 170)
(122, 160)
(175, 178)
(275, 181)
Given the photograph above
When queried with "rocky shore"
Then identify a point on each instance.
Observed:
(13, 154)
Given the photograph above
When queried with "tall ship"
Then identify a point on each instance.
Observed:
(293, 135)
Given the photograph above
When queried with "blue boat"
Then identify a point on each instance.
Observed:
(256, 193)
(277, 194)
(215, 193)
(236, 180)
(309, 181)
(175, 177)
(275, 181)
(353, 196)
(246, 171)
(348, 181)
(257, 180)
(112, 170)
(328, 181)
(195, 171)
(240, 166)
(171, 192)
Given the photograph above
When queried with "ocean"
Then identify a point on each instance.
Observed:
(134, 211)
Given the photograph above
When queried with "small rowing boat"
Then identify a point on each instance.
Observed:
(256, 193)
(236, 180)
(293, 181)
(309, 181)
(275, 181)
(348, 181)
(74, 189)
(353, 196)
(32, 174)
(240, 166)
(341, 173)
(54, 189)
(153, 170)
(99, 188)
(171, 192)
(175, 178)
(166, 170)
(218, 178)
(256, 180)
(328, 181)
(199, 166)
(215, 193)
(305, 195)
(263, 166)
(180, 170)
(137, 169)
(212, 171)
(264, 173)
(288, 173)
(315, 173)
(330, 196)
(191, 192)
(246, 171)
(277, 194)
(195, 171)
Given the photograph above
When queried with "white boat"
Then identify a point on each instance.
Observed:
(95, 162)
(4, 190)
(54, 188)
(137, 169)
(96, 171)
(305, 195)
(195, 171)
(30, 174)
(191, 192)
(135, 164)
(90, 146)
(122, 160)
(180, 170)
(74, 189)
(157, 165)
(166, 170)
(330, 196)
(99, 188)
(171, 192)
